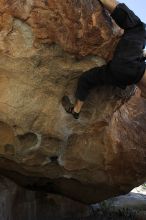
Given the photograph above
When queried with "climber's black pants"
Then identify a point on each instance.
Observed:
(125, 68)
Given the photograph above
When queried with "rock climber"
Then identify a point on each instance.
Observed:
(127, 66)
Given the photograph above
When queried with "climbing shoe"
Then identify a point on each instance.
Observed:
(69, 107)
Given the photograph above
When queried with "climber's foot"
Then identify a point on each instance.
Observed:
(69, 107)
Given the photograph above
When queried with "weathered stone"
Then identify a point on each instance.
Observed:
(101, 155)
(21, 204)
(78, 27)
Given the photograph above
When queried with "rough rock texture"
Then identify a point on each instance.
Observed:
(43, 46)
(18, 203)
(74, 25)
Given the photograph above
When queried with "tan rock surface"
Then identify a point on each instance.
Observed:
(103, 153)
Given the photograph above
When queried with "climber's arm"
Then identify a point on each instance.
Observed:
(110, 5)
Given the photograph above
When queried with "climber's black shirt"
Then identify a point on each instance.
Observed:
(128, 66)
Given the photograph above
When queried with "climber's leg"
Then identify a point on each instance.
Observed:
(110, 5)
(78, 106)
(87, 81)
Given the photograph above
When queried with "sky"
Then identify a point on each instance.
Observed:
(138, 6)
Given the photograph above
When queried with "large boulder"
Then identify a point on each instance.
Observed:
(44, 48)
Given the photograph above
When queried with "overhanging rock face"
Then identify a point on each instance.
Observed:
(79, 27)
(45, 46)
